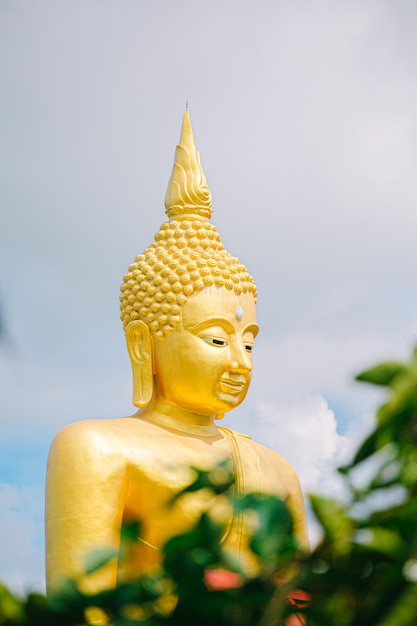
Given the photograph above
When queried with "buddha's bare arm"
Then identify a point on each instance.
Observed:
(85, 491)
(295, 501)
(293, 495)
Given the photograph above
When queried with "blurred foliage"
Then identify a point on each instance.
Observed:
(363, 572)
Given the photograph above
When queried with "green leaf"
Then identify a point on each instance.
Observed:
(219, 480)
(189, 553)
(404, 611)
(334, 519)
(40, 611)
(383, 374)
(366, 449)
(380, 539)
(11, 610)
(66, 597)
(131, 531)
(97, 558)
(272, 537)
(382, 436)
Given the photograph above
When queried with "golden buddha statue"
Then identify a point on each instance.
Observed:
(188, 310)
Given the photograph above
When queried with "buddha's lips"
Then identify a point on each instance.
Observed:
(232, 386)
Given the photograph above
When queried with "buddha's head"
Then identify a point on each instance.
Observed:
(187, 305)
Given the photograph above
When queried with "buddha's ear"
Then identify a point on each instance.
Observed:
(139, 345)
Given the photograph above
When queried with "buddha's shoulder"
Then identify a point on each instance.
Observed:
(98, 433)
(267, 455)
(275, 458)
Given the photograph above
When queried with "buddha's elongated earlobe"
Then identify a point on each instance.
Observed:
(139, 345)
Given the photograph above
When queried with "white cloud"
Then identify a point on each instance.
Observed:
(307, 436)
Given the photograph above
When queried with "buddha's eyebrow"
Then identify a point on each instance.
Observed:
(251, 328)
(213, 321)
(224, 323)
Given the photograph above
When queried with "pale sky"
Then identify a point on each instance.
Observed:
(304, 114)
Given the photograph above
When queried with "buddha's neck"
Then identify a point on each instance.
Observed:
(165, 414)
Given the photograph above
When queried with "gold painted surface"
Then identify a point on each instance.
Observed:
(191, 355)
(185, 257)
(187, 192)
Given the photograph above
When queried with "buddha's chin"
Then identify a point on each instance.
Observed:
(224, 404)
(230, 398)
(226, 397)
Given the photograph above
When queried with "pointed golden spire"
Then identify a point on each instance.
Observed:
(187, 192)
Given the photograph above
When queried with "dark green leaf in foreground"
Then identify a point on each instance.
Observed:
(383, 374)
(97, 558)
(272, 537)
(219, 480)
(11, 611)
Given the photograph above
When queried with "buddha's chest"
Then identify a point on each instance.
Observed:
(161, 469)
(158, 472)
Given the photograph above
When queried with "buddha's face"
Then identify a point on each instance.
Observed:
(205, 366)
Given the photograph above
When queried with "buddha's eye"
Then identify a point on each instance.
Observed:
(215, 342)
(248, 348)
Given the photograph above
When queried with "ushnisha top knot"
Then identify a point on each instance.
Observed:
(187, 192)
(186, 255)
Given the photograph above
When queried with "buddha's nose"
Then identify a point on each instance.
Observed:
(240, 359)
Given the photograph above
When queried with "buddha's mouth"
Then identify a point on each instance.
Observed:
(231, 386)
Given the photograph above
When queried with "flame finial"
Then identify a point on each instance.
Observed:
(187, 193)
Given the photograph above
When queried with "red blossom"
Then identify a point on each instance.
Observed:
(221, 579)
(297, 598)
